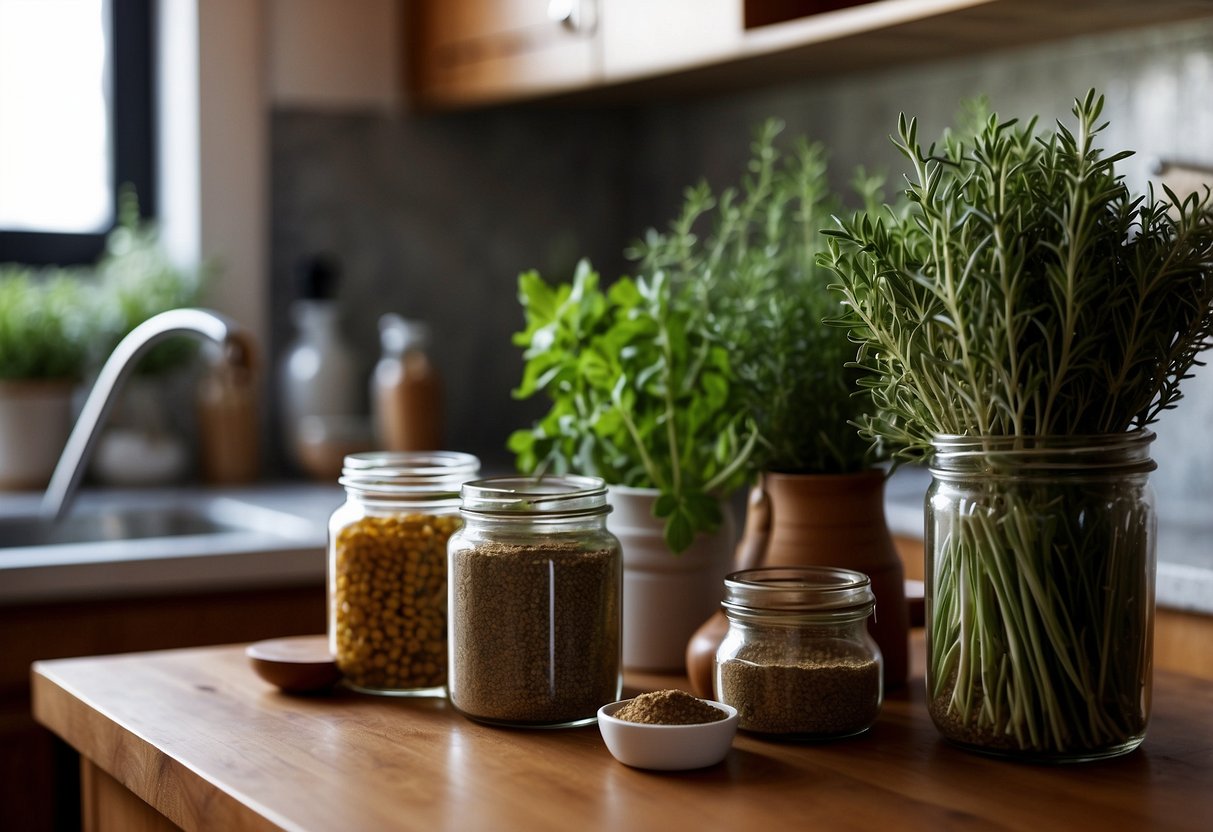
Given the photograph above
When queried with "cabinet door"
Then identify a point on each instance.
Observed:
(482, 51)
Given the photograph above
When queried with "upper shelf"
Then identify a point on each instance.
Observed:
(469, 53)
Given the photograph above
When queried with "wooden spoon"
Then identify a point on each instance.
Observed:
(298, 664)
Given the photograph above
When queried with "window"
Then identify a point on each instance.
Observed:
(75, 123)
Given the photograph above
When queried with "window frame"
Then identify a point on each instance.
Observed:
(132, 148)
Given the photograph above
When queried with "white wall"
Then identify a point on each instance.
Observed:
(213, 127)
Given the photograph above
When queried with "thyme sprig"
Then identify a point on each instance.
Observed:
(750, 253)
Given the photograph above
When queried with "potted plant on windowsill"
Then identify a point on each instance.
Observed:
(642, 395)
(56, 325)
(44, 335)
(818, 499)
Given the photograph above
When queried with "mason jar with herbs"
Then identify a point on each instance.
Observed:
(387, 569)
(797, 661)
(535, 585)
(1040, 593)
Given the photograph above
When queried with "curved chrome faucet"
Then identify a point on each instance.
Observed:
(200, 323)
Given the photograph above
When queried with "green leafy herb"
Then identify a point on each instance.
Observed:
(45, 329)
(1026, 295)
(756, 272)
(642, 394)
(1027, 292)
(137, 279)
(55, 322)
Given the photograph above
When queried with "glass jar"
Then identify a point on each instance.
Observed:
(1040, 593)
(797, 660)
(387, 569)
(535, 602)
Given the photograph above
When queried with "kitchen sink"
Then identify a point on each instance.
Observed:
(211, 516)
(155, 540)
(112, 525)
(126, 542)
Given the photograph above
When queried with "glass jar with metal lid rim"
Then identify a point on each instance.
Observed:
(535, 602)
(797, 660)
(387, 569)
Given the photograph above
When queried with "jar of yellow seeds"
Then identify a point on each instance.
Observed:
(387, 569)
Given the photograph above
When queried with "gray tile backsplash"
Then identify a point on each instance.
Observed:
(434, 216)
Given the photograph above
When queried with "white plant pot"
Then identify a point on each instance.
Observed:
(665, 596)
(35, 419)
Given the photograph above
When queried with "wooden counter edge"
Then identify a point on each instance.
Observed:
(111, 753)
(129, 784)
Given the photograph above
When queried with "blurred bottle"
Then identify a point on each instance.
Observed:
(318, 377)
(227, 420)
(406, 391)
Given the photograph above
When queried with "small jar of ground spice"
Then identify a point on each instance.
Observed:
(798, 661)
(387, 569)
(535, 585)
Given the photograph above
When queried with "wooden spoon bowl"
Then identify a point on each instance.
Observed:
(298, 664)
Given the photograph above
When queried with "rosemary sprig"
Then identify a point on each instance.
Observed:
(1026, 295)
(1026, 291)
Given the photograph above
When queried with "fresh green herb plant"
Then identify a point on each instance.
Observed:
(54, 323)
(137, 279)
(45, 329)
(757, 273)
(1027, 295)
(642, 394)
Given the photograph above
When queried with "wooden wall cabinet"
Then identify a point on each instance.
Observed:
(467, 53)
(474, 52)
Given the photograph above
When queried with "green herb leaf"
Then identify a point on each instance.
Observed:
(1022, 289)
(631, 400)
(754, 270)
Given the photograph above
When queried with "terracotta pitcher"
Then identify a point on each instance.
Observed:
(819, 520)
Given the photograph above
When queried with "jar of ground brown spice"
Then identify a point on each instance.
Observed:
(798, 661)
(387, 569)
(535, 585)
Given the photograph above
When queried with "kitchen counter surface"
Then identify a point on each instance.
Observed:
(208, 745)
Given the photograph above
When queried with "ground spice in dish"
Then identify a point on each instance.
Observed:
(669, 707)
(821, 695)
(535, 633)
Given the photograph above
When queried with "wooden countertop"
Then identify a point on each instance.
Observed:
(199, 737)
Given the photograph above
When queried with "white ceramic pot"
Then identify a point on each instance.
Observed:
(35, 419)
(665, 596)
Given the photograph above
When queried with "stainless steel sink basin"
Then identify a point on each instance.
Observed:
(151, 519)
(158, 540)
(153, 541)
(112, 525)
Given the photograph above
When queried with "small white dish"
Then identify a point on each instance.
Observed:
(667, 747)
